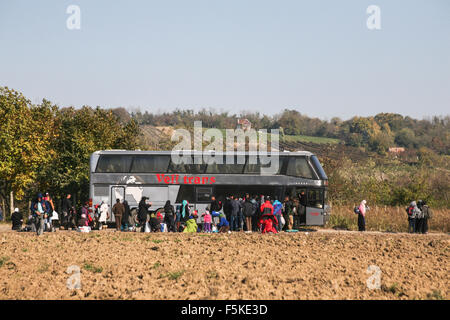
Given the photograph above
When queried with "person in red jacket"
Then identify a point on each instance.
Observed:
(267, 207)
(267, 223)
(268, 220)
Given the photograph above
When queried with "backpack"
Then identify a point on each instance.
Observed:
(356, 210)
(409, 211)
(429, 213)
(267, 210)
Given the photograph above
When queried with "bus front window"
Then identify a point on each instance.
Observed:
(315, 198)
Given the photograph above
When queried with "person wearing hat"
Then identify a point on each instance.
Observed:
(17, 220)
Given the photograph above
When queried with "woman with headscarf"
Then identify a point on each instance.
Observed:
(362, 216)
(17, 220)
(185, 211)
(104, 215)
(143, 213)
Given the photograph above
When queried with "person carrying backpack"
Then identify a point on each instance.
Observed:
(412, 212)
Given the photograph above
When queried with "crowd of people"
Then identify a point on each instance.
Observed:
(249, 214)
(418, 215)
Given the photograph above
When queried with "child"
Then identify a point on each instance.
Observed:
(223, 225)
(191, 224)
(207, 219)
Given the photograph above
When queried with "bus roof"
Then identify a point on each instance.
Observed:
(195, 152)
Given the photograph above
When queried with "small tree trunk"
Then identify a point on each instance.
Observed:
(11, 203)
(3, 206)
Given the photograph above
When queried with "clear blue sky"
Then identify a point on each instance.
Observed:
(314, 56)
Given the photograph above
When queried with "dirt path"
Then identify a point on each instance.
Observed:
(326, 264)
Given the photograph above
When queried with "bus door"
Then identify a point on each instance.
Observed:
(314, 207)
(117, 192)
(301, 196)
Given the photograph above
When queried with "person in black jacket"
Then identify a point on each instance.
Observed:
(143, 212)
(215, 205)
(227, 208)
(169, 213)
(126, 215)
(17, 220)
(248, 210)
(235, 210)
(67, 211)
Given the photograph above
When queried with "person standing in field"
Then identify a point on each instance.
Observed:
(267, 207)
(126, 215)
(103, 214)
(50, 209)
(235, 213)
(143, 213)
(227, 208)
(207, 221)
(255, 215)
(419, 218)
(277, 211)
(66, 212)
(38, 212)
(118, 211)
(215, 207)
(412, 211)
(426, 213)
(248, 209)
(169, 213)
(362, 216)
(17, 220)
(288, 213)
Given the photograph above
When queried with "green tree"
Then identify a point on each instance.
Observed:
(24, 134)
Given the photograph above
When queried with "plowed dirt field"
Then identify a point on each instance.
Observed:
(319, 264)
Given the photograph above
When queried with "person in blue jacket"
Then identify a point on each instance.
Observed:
(277, 211)
(223, 225)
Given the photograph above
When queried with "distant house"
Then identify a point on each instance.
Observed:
(244, 124)
(396, 150)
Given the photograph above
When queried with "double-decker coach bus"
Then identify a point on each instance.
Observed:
(130, 175)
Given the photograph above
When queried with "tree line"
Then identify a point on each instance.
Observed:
(375, 133)
(46, 148)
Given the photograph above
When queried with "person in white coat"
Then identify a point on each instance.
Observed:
(104, 214)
